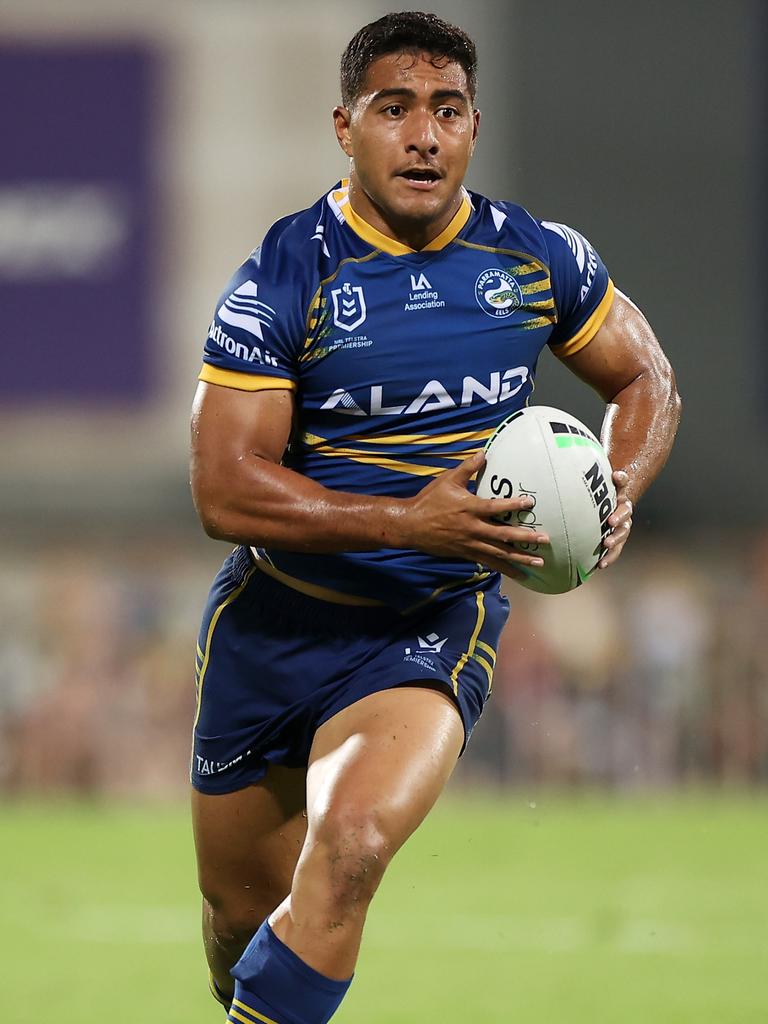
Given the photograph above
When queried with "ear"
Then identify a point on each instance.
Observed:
(475, 129)
(341, 122)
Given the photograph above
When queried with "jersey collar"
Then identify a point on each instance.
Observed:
(339, 201)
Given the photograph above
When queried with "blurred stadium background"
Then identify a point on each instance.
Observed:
(601, 854)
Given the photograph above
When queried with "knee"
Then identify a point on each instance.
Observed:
(231, 919)
(355, 850)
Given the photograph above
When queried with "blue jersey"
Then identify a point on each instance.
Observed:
(403, 362)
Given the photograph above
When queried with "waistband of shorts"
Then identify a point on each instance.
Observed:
(292, 605)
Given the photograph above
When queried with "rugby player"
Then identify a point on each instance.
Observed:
(356, 365)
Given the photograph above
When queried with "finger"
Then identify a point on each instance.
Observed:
(621, 514)
(491, 559)
(506, 554)
(525, 537)
(617, 536)
(466, 470)
(497, 508)
(620, 477)
(610, 556)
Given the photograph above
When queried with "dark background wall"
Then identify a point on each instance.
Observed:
(644, 126)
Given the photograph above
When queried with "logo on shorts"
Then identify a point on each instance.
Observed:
(432, 643)
(205, 766)
(498, 293)
(349, 310)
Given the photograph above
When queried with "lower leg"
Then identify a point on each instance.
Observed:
(247, 845)
(376, 770)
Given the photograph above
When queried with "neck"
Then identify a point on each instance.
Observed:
(414, 234)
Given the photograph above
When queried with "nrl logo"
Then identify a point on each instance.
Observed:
(348, 306)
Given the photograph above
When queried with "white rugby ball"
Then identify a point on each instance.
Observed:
(551, 456)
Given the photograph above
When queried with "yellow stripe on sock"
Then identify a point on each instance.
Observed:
(254, 1014)
(472, 641)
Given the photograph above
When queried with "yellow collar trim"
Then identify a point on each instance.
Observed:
(389, 245)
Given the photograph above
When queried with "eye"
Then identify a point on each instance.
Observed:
(394, 109)
(447, 113)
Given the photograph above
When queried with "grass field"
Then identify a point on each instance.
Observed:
(586, 909)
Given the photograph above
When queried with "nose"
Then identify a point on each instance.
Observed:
(422, 137)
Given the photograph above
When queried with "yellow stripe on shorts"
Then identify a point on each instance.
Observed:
(480, 599)
(214, 619)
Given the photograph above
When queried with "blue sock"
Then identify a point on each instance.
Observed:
(274, 986)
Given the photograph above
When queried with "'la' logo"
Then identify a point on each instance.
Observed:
(348, 306)
(421, 285)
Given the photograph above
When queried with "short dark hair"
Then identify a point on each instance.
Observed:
(405, 32)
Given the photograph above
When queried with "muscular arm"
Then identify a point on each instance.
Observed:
(243, 494)
(625, 364)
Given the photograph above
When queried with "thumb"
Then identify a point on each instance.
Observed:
(470, 466)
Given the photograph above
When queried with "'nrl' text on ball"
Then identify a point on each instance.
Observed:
(434, 395)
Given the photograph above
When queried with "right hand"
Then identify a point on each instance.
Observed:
(446, 519)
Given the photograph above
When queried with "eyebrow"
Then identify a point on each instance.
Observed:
(438, 94)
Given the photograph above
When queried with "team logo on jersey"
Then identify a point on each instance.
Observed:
(498, 293)
(349, 309)
(242, 309)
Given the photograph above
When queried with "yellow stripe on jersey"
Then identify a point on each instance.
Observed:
(541, 304)
(394, 464)
(419, 439)
(244, 381)
(214, 619)
(383, 242)
(314, 589)
(586, 333)
(525, 268)
(479, 598)
(255, 1015)
(537, 286)
(315, 441)
(537, 321)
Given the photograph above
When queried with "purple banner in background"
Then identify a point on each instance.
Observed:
(75, 213)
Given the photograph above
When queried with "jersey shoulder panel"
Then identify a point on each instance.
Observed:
(505, 227)
(581, 288)
(260, 322)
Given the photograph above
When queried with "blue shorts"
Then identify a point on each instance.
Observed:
(274, 664)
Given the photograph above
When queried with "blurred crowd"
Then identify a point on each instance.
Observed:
(655, 675)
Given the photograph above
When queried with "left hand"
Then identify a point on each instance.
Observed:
(620, 521)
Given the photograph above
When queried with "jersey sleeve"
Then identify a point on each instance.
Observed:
(258, 328)
(581, 286)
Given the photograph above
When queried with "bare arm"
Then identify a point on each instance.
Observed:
(625, 364)
(243, 494)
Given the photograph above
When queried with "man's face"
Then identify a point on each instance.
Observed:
(410, 135)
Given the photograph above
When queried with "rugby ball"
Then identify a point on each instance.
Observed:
(551, 456)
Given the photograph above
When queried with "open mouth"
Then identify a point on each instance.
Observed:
(421, 177)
